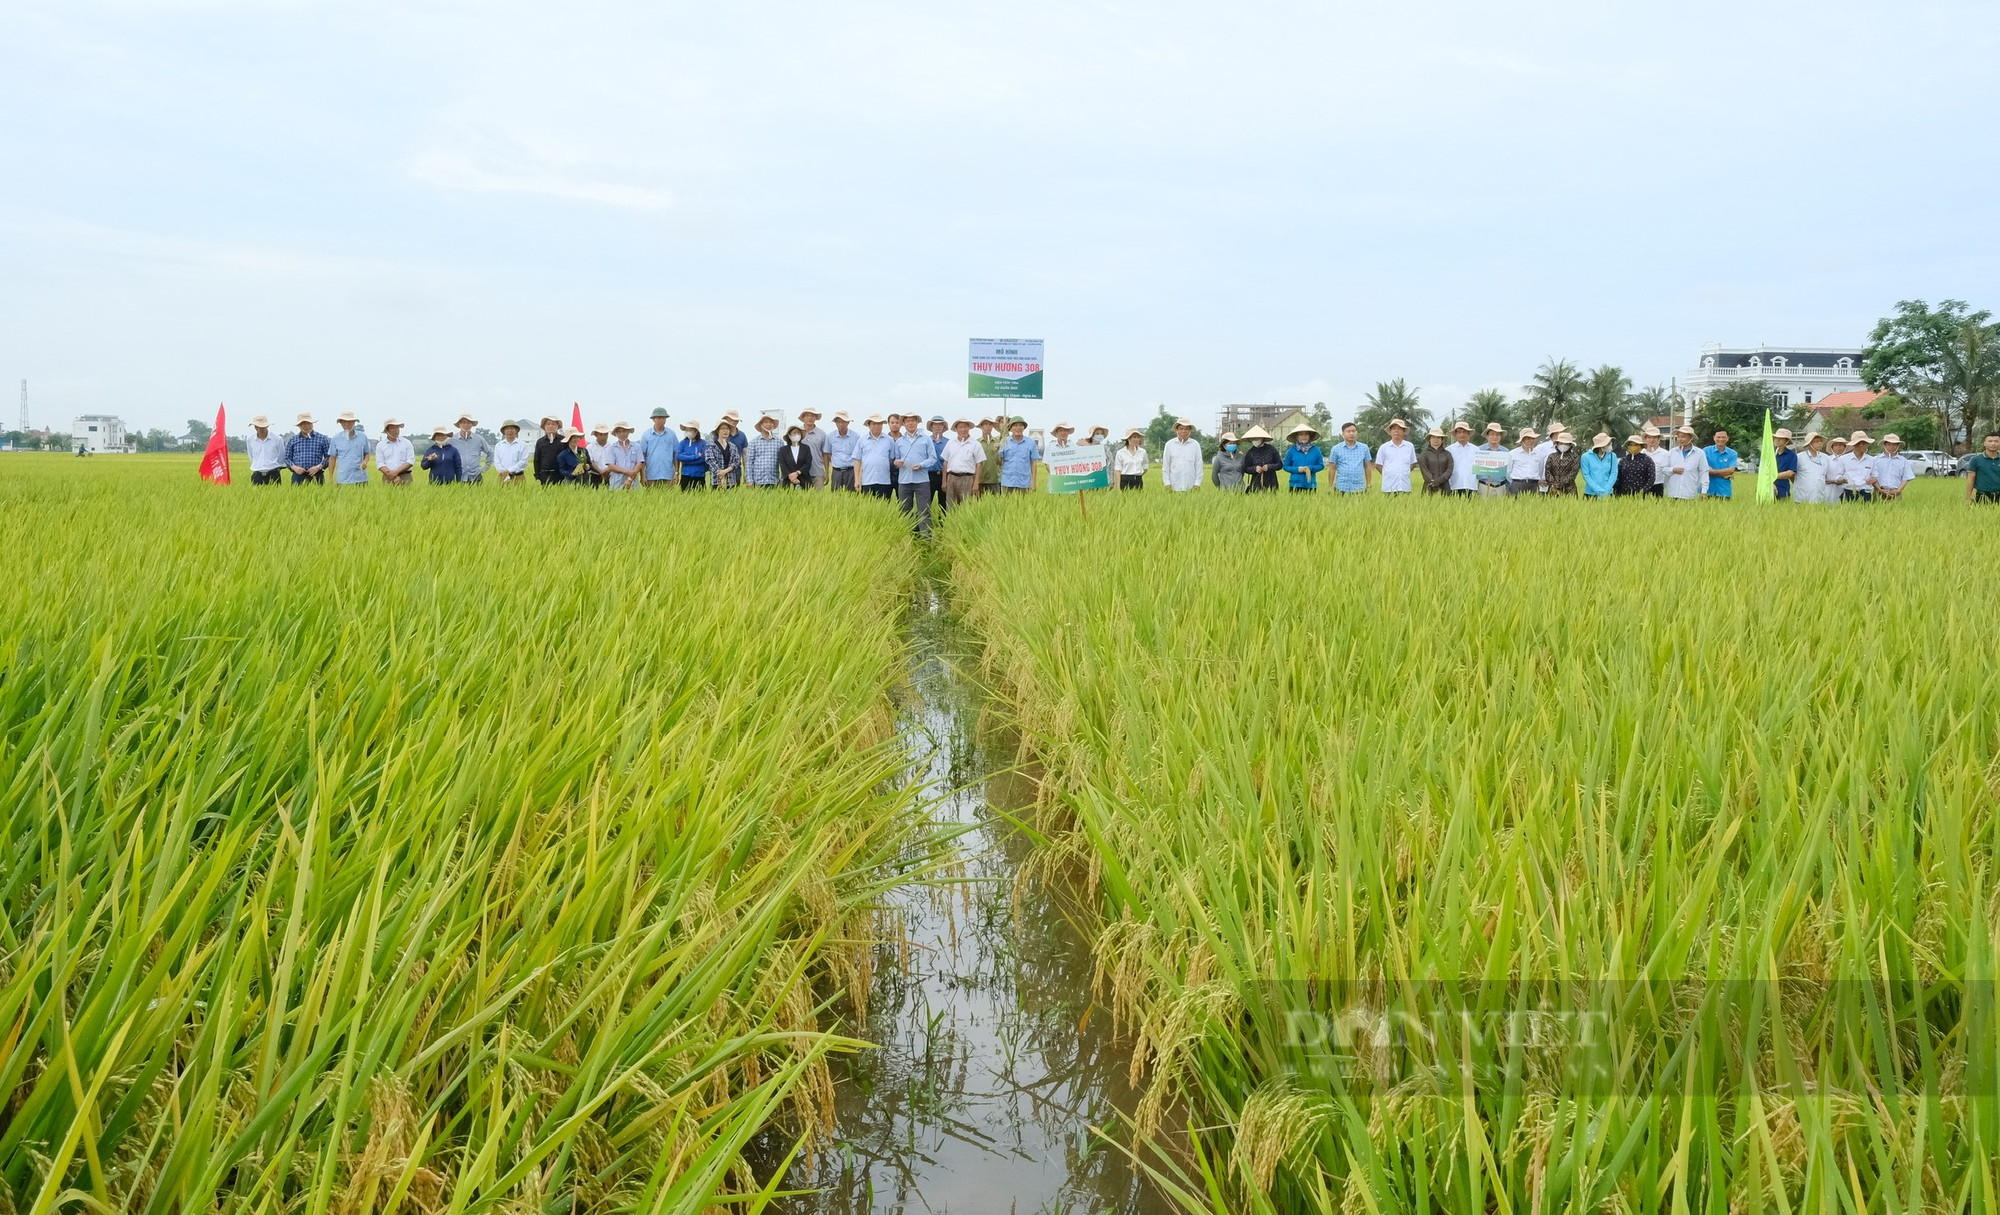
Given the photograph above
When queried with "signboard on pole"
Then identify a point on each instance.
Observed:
(1006, 367)
(1078, 468)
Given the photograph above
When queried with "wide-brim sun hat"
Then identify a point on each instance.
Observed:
(958, 422)
(442, 430)
(1495, 427)
(1650, 431)
(1600, 439)
(261, 420)
(1886, 439)
(761, 421)
(1179, 422)
(304, 417)
(627, 427)
(1135, 432)
(1434, 433)
(873, 419)
(1527, 432)
(1859, 436)
(1458, 426)
(842, 417)
(1061, 426)
(509, 424)
(691, 426)
(1683, 430)
(1228, 436)
(1399, 422)
(571, 432)
(1563, 436)
(602, 428)
(1632, 440)
(466, 417)
(1257, 432)
(808, 410)
(1781, 433)
(388, 422)
(549, 417)
(347, 415)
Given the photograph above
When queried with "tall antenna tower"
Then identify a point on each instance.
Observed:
(24, 406)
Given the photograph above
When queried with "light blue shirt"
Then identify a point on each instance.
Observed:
(348, 453)
(1017, 462)
(1350, 467)
(840, 448)
(1719, 457)
(875, 454)
(656, 448)
(1600, 473)
(918, 453)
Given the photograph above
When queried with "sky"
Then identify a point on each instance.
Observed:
(419, 207)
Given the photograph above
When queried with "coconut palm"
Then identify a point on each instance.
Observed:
(1392, 399)
(1606, 404)
(1487, 405)
(1553, 395)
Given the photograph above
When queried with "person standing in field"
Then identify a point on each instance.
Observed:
(656, 451)
(1180, 459)
(1687, 467)
(1525, 465)
(795, 460)
(840, 448)
(1787, 462)
(815, 440)
(548, 451)
(1858, 482)
(1490, 461)
(1303, 460)
(266, 449)
(441, 458)
(1128, 463)
(1350, 460)
(1464, 477)
(573, 463)
(1599, 467)
(348, 449)
(1635, 471)
(1650, 443)
(510, 455)
(1810, 469)
(1226, 469)
(939, 436)
(691, 457)
(1891, 469)
(1836, 468)
(916, 455)
(1395, 459)
(1018, 454)
(962, 458)
(623, 462)
(596, 472)
(474, 452)
(1564, 462)
(1435, 464)
(760, 459)
(1261, 461)
(1722, 464)
(395, 456)
(1982, 472)
(306, 454)
(722, 458)
(875, 461)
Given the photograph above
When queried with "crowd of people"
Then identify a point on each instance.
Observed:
(929, 464)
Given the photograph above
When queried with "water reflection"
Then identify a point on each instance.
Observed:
(993, 1065)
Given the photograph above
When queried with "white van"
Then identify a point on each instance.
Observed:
(1930, 463)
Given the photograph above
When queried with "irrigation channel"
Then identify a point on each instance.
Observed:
(993, 1065)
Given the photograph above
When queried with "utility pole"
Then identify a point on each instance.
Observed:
(24, 407)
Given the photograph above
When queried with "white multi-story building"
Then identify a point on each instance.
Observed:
(1803, 374)
(96, 432)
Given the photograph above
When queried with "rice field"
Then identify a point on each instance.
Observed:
(472, 850)
(1722, 780)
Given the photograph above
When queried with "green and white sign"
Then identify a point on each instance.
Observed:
(1006, 367)
(1075, 468)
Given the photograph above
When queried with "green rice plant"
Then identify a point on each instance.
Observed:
(1719, 782)
(450, 850)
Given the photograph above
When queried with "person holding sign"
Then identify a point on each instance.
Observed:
(963, 458)
(1129, 462)
(1490, 460)
(1262, 461)
(1180, 458)
(1303, 460)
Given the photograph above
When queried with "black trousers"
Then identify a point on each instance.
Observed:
(270, 476)
(884, 492)
(311, 478)
(1128, 481)
(693, 481)
(1656, 491)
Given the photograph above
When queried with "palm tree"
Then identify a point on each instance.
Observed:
(1606, 405)
(1394, 399)
(1487, 405)
(1659, 401)
(1554, 393)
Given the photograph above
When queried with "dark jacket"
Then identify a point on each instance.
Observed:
(442, 460)
(1561, 470)
(1635, 474)
(801, 464)
(1266, 457)
(1434, 464)
(548, 459)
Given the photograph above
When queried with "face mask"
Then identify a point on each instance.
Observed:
(1229, 447)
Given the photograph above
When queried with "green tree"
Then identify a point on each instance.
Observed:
(1943, 360)
(1487, 405)
(1605, 405)
(1392, 399)
(1738, 409)
(1659, 401)
(1890, 414)
(197, 434)
(1553, 395)
(1161, 428)
(1321, 418)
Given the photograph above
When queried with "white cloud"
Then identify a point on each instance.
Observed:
(459, 169)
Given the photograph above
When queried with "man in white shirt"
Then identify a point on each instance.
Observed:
(598, 452)
(1394, 459)
(1858, 482)
(1649, 446)
(963, 455)
(394, 454)
(267, 452)
(1463, 479)
(1180, 458)
(1687, 466)
(510, 455)
(1525, 464)
(1892, 468)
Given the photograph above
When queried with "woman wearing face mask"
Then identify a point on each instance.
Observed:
(1564, 463)
(1261, 460)
(1434, 463)
(1226, 469)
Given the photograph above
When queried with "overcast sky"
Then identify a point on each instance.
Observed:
(417, 207)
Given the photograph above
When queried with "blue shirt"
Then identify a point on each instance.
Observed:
(656, 449)
(760, 460)
(840, 448)
(1722, 457)
(348, 453)
(918, 453)
(306, 451)
(692, 456)
(874, 453)
(1017, 462)
(1350, 467)
(1788, 462)
(939, 441)
(1600, 473)
(1304, 463)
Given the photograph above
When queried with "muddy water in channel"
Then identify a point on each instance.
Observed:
(993, 1063)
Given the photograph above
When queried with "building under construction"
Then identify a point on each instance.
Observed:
(1239, 418)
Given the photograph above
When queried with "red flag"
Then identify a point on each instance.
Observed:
(215, 461)
(576, 416)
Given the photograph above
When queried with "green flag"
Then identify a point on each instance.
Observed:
(1767, 466)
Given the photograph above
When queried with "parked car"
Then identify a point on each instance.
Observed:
(1931, 463)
